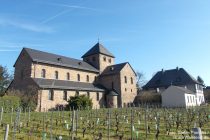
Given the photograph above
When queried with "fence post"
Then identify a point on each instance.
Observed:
(7, 132)
(108, 122)
(11, 115)
(2, 111)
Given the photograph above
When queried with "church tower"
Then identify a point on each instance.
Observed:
(99, 57)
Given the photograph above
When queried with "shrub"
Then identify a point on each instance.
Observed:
(79, 102)
(9, 102)
(148, 97)
(28, 97)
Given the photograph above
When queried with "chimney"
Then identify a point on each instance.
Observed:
(177, 68)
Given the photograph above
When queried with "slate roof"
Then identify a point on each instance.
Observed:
(49, 58)
(98, 49)
(113, 69)
(182, 89)
(68, 85)
(112, 93)
(177, 77)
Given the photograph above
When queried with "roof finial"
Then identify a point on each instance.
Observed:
(98, 39)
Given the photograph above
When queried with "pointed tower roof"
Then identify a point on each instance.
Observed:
(96, 49)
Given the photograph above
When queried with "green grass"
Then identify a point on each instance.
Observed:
(87, 119)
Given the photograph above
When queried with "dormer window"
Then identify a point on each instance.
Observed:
(93, 58)
(56, 74)
(43, 73)
(59, 59)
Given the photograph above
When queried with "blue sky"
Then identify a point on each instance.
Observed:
(150, 34)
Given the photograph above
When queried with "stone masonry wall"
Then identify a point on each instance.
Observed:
(128, 90)
(45, 104)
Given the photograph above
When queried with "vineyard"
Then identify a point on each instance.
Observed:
(144, 122)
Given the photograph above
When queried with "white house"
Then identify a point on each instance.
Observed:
(179, 77)
(175, 96)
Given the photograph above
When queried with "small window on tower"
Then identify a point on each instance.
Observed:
(110, 60)
(104, 58)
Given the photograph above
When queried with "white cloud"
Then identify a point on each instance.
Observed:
(25, 26)
(70, 8)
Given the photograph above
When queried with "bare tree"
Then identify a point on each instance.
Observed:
(5, 79)
(140, 80)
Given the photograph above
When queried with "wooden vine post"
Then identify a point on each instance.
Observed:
(72, 126)
(132, 126)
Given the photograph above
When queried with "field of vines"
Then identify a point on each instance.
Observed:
(137, 123)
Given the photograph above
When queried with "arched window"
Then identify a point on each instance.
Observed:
(88, 94)
(87, 78)
(51, 95)
(78, 77)
(131, 80)
(110, 60)
(67, 76)
(77, 93)
(56, 74)
(125, 79)
(104, 58)
(97, 96)
(43, 73)
(65, 95)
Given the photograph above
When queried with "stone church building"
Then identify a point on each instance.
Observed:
(57, 77)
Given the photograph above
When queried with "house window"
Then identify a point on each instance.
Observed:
(188, 100)
(125, 78)
(131, 90)
(94, 59)
(65, 95)
(87, 78)
(97, 96)
(132, 80)
(110, 60)
(88, 94)
(104, 59)
(68, 76)
(56, 74)
(77, 93)
(95, 79)
(125, 89)
(51, 95)
(78, 77)
(43, 73)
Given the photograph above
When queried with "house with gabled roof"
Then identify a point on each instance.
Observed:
(179, 77)
(58, 77)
